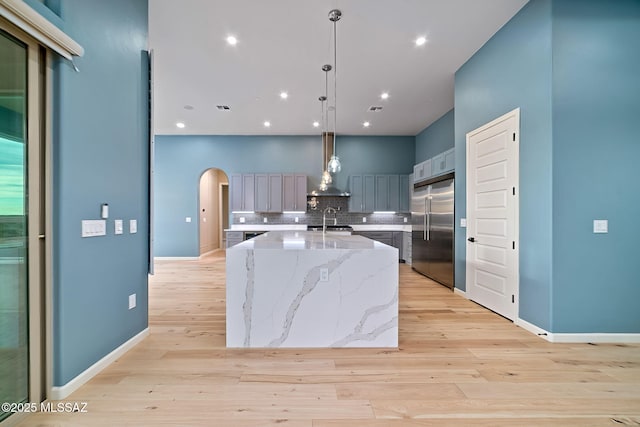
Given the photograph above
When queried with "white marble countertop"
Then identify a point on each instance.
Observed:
(308, 240)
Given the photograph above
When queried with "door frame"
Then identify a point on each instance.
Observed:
(40, 221)
(221, 213)
(515, 206)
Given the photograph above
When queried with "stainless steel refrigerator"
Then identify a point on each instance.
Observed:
(432, 205)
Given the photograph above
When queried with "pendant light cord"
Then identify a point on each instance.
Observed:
(335, 84)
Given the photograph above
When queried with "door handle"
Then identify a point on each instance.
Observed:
(471, 239)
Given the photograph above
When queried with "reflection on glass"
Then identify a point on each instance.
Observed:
(14, 336)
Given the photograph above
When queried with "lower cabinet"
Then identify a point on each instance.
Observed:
(406, 247)
(391, 238)
(234, 237)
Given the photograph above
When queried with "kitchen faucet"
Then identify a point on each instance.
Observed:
(324, 217)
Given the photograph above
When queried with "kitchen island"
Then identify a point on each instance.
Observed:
(312, 289)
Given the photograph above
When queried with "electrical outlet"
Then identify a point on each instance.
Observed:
(405, 219)
(187, 219)
(242, 220)
(600, 226)
(264, 219)
(132, 301)
(324, 274)
(364, 219)
(296, 220)
(463, 222)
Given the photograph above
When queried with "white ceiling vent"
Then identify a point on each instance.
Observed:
(223, 107)
(375, 108)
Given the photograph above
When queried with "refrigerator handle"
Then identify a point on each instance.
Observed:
(428, 220)
(424, 229)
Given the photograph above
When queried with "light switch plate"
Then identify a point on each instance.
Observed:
(463, 222)
(324, 274)
(132, 301)
(241, 220)
(600, 226)
(118, 226)
(133, 226)
(94, 227)
(187, 219)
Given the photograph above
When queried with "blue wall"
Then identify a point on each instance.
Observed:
(180, 160)
(437, 138)
(513, 70)
(596, 107)
(100, 151)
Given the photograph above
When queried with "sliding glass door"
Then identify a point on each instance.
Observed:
(14, 248)
(21, 225)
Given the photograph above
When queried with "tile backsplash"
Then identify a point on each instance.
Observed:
(314, 216)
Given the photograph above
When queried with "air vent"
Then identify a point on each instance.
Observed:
(375, 108)
(223, 107)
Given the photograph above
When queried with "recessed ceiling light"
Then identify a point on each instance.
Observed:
(384, 95)
(316, 124)
(188, 107)
(180, 125)
(366, 124)
(284, 95)
(420, 41)
(232, 40)
(267, 124)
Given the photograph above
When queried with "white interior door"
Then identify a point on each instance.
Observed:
(492, 215)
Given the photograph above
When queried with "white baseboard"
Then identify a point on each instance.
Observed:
(460, 292)
(599, 338)
(59, 393)
(533, 329)
(176, 258)
(578, 338)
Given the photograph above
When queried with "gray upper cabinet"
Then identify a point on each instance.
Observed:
(405, 194)
(422, 171)
(449, 160)
(437, 164)
(371, 193)
(363, 193)
(382, 193)
(294, 194)
(387, 193)
(268, 191)
(242, 192)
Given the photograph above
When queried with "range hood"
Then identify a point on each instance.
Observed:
(327, 152)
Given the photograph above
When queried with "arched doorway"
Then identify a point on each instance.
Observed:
(213, 210)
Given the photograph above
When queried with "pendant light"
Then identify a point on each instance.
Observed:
(334, 165)
(326, 176)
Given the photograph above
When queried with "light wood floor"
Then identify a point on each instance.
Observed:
(458, 365)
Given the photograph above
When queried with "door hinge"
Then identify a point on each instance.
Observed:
(513, 245)
(514, 136)
(513, 298)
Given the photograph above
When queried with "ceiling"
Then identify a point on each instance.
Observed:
(282, 45)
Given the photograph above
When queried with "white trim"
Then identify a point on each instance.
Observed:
(176, 258)
(460, 292)
(579, 338)
(59, 393)
(595, 338)
(24, 17)
(530, 327)
(210, 252)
